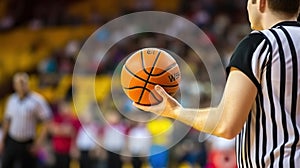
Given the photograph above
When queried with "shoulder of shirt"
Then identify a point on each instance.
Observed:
(13, 96)
(252, 40)
(255, 36)
(36, 96)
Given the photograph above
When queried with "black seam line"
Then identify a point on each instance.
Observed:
(134, 87)
(264, 134)
(245, 160)
(152, 83)
(147, 104)
(266, 61)
(294, 95)
(143, 63)
(263, 65)
(140, 87)
(242, 153)
(257, 128)
(240, 148)
(164, 71)
(248, 140)
(270, 92)
(155, 61)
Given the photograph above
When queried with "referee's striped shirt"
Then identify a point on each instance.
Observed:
(23, 115)
(271, 59)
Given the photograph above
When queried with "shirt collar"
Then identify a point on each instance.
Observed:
(287, 23)
(26, 96)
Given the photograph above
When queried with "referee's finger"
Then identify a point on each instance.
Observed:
(161, 91)
(141, 107)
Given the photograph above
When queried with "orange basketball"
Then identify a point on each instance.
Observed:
(146, 68)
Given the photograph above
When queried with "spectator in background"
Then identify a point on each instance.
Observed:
(139, 141)
(161, 131)
(190, 152)
(64, 128)
(113, 138)
(86, 141)
(24, 110)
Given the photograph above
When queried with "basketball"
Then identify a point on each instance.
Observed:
(146, 68)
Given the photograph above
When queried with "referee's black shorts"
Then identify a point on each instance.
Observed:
(18, 152)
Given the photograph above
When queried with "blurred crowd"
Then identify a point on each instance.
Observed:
(73, 136)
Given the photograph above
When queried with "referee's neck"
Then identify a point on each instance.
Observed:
(23, 95)
(271, 18)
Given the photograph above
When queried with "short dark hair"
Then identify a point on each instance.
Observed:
(284, 6)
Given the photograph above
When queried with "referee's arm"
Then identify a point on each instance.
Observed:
(38, 142)
(44, 116)
(226, 120)
(6, 123)
(5, 127)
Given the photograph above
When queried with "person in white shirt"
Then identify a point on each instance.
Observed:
(86, 141)
(24, 110)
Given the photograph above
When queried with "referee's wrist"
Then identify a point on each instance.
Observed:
(2, 140)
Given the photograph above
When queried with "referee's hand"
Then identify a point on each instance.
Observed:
(169, 107)
(34, 149)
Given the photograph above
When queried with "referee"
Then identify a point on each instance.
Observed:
(261, 100)
(23, 111)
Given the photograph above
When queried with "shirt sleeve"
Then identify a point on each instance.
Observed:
(43, 111)
(8, 109)
(250, 56)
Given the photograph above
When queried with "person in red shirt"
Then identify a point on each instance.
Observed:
(63, 129)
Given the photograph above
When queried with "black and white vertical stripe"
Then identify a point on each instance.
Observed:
(24, 114)
(270, 138)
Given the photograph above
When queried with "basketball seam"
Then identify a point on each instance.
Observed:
(164, 71)
(143, 63)
(140, 87)
(147, 104)
(152, 83)
(145, 85)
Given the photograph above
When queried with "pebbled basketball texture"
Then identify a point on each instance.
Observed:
(146, 68)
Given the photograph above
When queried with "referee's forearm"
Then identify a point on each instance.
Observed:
(42, 135)
(5, 128)
(208, 120)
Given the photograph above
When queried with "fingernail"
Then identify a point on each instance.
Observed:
(157, 87)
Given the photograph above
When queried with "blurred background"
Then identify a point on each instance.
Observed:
(43, 38)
